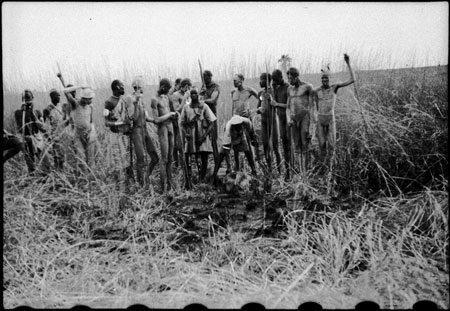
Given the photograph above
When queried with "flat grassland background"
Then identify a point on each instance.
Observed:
(384, 238)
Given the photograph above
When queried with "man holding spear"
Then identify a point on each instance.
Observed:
(210, 92)
(280, 102)
(325, 100)
(198, 121)
(269, 126)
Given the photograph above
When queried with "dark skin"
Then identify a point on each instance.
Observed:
(195, 104)
(55, 98)
(214, 95)
(204, 156)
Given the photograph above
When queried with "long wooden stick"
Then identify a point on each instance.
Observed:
(355, 88)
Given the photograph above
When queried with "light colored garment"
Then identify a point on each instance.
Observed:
(202, 116)
(118, 152)
(82, 117)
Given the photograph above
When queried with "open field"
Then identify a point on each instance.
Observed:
(383, 236)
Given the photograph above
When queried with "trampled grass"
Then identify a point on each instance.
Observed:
(384, 237)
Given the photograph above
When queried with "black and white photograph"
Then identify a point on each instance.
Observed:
(278, 155)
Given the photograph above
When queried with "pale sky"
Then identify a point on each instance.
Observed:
(169, 37)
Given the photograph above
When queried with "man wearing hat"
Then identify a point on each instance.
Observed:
(31, 126)
(163, 119)
(325, 100)
(299, 110)
(235, 137)
(81, 113)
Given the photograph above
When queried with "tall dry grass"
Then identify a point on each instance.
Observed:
(73, 240)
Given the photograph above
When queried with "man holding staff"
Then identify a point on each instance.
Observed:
(269, 125)
(30, 125)
(210, 92)
(325, 100)
(280, 102)
(85, 137)
(198, 121)
(179, 99)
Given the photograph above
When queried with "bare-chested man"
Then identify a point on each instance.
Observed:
(179, 99)
(85, 137)
(299, 111)
(164, 118)
(142, 142)
(241, 97)
(176, 87)
(210, 93)
(269, 125)
(280, 102)
(325, 99)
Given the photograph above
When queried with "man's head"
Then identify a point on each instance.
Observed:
(194, 94)
(326, 76)
(277, 77)
(74, 93)
(263, 78)
(27, 97)
(177, 85)
(54, 96)
(117, 88)
(185, 84)
(86, 96)
(164, 86)
(138, 84)
(238, 79)
(293, 75)
(207, 76)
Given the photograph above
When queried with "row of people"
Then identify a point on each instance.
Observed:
(286, 111)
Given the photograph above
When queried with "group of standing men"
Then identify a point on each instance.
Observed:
(186, 120)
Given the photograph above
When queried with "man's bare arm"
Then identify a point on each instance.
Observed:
(213, 98)
(163, 118)
(316, 99)
(253, 92)
(352, 76)
(288, 111)
(311, 103)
